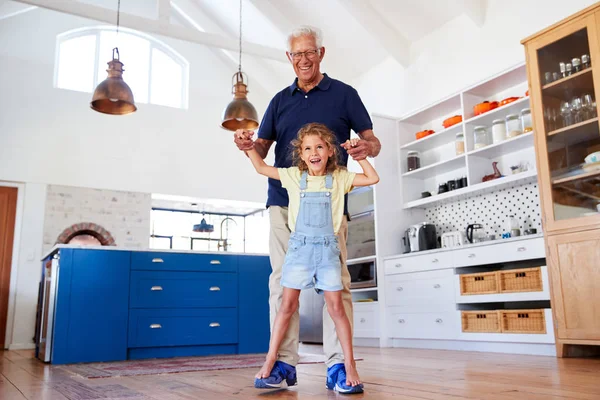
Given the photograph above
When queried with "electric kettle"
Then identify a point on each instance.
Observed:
(475, 233)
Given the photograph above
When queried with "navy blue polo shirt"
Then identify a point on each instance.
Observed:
(331, 102)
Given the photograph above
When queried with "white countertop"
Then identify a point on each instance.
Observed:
(468, 246)
(116, 248)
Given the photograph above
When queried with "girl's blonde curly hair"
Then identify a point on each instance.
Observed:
(328, 137)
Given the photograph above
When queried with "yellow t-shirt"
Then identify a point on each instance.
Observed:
(342, 184)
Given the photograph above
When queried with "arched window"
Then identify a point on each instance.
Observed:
(156, 73)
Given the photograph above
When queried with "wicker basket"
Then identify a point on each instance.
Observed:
(520, 280)
(479, 283)
(523, 321)
(481, 321)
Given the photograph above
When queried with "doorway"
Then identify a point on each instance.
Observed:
(8, 210)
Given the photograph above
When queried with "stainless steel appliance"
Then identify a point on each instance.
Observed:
(363, 273)
(311, 316)
(47, 304)
(422, 237)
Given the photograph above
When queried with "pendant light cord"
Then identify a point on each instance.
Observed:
(240, 65)
(118, 15)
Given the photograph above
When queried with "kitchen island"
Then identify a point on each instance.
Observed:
(110, 303)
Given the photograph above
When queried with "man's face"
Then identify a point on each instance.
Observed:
(307, 65)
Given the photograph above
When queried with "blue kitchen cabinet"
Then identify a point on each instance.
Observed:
(253, 283)
(113, 304)
(92, 306)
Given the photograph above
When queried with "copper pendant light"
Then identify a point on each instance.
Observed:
(113, 96)
(239, 113)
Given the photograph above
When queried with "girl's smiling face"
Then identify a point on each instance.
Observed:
(315, 153)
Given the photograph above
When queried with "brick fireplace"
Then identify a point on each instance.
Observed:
(78, 215)
(86, 233)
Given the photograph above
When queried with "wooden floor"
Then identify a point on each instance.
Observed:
(387, 373)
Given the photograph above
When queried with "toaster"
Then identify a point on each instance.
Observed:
(422, 237)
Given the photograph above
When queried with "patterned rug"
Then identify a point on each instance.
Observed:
(156, 366)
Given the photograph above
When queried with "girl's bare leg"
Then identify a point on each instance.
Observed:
(344, 332)
(289, 305)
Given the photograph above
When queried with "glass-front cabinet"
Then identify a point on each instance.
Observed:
(564, 75)
(563, 65)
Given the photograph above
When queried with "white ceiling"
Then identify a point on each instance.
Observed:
(358, 34)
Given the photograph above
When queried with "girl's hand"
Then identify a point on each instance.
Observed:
(356, 148)
(243, 139)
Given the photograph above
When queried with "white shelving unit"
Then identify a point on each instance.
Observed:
(398, 205)
(438, 158)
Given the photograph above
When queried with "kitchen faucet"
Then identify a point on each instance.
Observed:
(223, 242)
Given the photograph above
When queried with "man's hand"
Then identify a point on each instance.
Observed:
(243, 139)
(357, 149)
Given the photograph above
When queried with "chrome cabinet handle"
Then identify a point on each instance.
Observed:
(401, 321)
(156, 288)
(398, 265)
(521, 249)
(214, 288)
(471, 255)
(157, 260)
(439, 320)
(399, 288)
(435, 260)
(362, 320)
(155, 326)
(437, 286)
(214, 324)
(215, 262)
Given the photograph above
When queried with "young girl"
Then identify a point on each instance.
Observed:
(316, 189)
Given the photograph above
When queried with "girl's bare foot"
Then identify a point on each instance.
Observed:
(265, 371)
(352, 378)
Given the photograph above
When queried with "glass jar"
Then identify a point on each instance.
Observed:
(460, 143)
(480, 137)
(498, 130)
(526, 123)
(513, 125)
(413, 161)
(585, 61)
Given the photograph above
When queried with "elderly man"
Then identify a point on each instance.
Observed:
(312, 97)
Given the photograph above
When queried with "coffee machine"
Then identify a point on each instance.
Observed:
(422, 237)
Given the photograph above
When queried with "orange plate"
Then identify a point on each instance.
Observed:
(484, 107)
(452, 121)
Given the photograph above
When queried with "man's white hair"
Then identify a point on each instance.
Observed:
(305, 30)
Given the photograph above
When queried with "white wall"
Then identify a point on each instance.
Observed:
(51, 136)
(460, 54)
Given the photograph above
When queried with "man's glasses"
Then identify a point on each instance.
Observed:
(310, 54)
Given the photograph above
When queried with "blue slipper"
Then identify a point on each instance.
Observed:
(336, 380)
(281, 372)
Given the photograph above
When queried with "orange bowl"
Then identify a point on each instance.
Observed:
(452, 121)
(508, 100)
(484, 107)
(422, 134)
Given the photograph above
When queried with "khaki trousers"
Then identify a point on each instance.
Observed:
(278, 245)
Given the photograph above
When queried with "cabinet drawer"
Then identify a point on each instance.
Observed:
(184, 327)
(160, 289)
(366, 320)
(444, 325)
(159, 261)
(422, 292)
(426, 262)
(501, 252)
